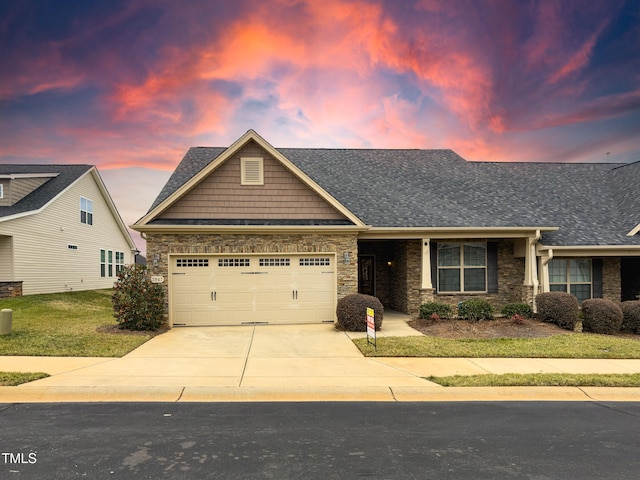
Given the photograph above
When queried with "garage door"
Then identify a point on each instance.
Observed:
(247, 289)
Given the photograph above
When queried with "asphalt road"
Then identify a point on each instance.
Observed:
(500, 440)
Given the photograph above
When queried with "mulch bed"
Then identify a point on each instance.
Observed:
(116, 330)
(498, 328)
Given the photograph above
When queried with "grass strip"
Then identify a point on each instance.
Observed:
(11, 379)
(585, 345)
(540, 380)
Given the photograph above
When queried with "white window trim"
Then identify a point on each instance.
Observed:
(119, 262)
(103, 263)
(461, 267)
(568, 283)
(251, 163)
(1, 190)
(87, 211)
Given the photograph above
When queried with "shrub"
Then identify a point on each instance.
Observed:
(138, 304)
(352, 312)
(630, 316)
(522, 309)
(601, 316)
(441, 309)
(560, 308)
(476, 309)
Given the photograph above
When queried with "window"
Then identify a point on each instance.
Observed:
(110, 262)
(252, 171)
(462, 267)
(573, 275)
(86, 211)
(192, 262)
(119, 262)
(274, 262)
(1, 190)
(106, 262)
(315, 262)
(233, 262)
(103, 263)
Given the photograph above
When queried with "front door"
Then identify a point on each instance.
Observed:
(367, 275)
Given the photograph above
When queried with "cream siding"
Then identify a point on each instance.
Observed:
(41, 257)
(6, 258)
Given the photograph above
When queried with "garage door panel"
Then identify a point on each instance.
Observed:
(226, 290)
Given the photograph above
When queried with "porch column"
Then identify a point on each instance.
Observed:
(531, 270)
(426, 265)
(544, 273)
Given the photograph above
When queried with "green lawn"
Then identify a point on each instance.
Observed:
(64, 324)
(584, 345)
(540, 380)
(11, 379)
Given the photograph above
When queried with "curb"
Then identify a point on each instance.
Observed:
(26, 394)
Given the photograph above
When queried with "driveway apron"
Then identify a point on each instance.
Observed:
(242, 356)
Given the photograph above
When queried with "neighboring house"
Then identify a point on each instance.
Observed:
(59, 230)
(251, 233)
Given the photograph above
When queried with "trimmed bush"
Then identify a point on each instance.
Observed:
(512, 309)
(601, 316)
(560, 308)
(352, 312)
(476, 309)
(138, 304)
(630, 316)
(441, 309)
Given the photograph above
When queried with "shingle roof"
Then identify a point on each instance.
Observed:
(195, 160)
(67, 174)
(592, 204)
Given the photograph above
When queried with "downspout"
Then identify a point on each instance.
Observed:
(545, 269)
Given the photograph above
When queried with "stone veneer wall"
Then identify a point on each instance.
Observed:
(10, 289)
(510, 282)
(611, 279)
(347, 273)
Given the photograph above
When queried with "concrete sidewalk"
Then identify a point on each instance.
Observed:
(287, 363)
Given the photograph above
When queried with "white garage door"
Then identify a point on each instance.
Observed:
(246, 289)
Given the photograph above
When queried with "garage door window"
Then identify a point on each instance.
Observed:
(192, 262)
(275, 262)
(315, 262)
(233, 262)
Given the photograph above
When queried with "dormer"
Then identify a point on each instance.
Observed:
(15, 186)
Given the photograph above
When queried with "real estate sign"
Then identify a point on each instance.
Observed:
(371, 327)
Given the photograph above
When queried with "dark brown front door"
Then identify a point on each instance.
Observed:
(367, 275)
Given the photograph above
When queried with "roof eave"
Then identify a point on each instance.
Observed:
(381, 233)
(591, 250)
(249, 229)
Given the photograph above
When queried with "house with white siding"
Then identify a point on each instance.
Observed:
(59, 230)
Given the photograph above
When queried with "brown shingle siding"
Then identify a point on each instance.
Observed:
(220, 196)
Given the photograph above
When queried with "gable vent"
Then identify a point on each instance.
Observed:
(252, 171)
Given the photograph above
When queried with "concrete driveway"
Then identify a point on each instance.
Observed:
(245, 356)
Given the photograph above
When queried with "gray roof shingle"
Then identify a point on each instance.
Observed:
(592, 204)
(67, 174)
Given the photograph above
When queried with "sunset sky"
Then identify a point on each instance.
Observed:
(130, 85)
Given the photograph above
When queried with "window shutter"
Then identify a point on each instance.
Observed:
(596, 266)
(492, 267)
(433, 254)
